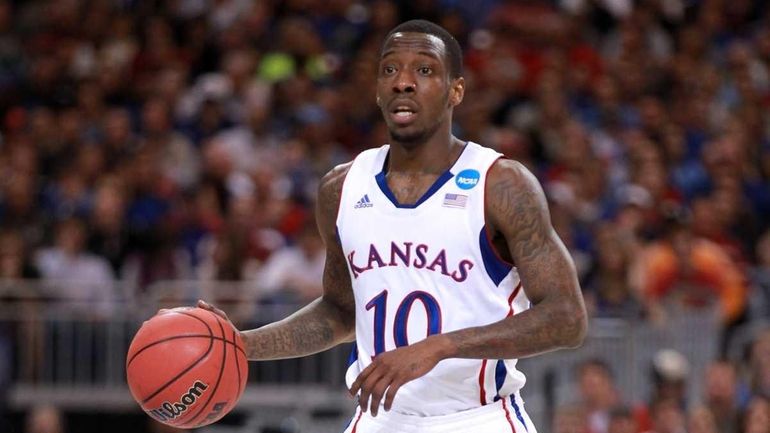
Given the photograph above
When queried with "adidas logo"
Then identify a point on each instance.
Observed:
(364, 202)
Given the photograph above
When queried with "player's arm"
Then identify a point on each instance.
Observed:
(517, 209)
(330, 319)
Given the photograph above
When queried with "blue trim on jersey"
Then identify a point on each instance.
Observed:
(337, 233)
(350, 421)
(383, 184)
(500, 373)
(518, 411)
(496, 268)
(353, 357)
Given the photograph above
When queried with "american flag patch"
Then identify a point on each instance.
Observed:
(455, 200)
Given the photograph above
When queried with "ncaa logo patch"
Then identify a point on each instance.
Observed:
(467, 178)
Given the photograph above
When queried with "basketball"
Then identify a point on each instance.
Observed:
(186, 367)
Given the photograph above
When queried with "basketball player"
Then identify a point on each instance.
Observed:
(441, 264)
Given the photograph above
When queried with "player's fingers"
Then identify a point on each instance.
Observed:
(391, 394)
(363, 397)
(206, 306)
(378, 391)
(367, 386)
(356, 386)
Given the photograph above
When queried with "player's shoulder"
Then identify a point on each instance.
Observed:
(329, 196)
(513, 193)
(331, 184)
(509, 172)
(330, 187)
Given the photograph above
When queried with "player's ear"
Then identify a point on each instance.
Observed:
(457, 91)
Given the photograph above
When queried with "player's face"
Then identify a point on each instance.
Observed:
(414, 90)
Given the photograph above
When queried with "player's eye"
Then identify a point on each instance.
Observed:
(425, 70)
(388, 70)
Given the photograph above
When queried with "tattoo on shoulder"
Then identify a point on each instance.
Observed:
(520, 209)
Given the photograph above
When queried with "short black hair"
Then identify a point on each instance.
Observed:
(453, 51)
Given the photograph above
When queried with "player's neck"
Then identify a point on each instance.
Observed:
(433, 156)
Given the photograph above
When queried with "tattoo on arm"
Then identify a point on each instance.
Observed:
(330, 319)
(303, 333)
(516, 207)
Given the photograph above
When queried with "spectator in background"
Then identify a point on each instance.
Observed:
(154, 222)
(570, 419)
(670, 373)
(701, 420)
(667, 417)
(622, 420)
(19, 208)
(759, 364)
(109, 237)
(15, 266)
(722, 396)
(759, 306)
(756, 419)
(243, 244)
(178, 161)
(20, 337)
(279, 278)
(45, 419)
(76, 276)
(598, 394)
(15, 260)
(608, 285)
(118, 138)
(682, 271)
(67, 196)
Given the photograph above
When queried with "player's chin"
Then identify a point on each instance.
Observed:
(407, 135)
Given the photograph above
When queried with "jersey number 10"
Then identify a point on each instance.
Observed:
(400, 323)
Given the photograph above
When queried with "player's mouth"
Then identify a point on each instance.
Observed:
(403, 114)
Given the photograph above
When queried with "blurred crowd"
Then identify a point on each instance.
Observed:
(147, 141)
(727, 405)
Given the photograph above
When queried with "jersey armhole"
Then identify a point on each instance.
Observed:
(486, 236)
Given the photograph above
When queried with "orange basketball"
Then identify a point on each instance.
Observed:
(186, 367)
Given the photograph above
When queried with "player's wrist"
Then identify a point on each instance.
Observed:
(443, 346)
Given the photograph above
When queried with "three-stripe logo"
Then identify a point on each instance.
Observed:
(364, 202)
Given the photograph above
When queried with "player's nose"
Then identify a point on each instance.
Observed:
(404, 82)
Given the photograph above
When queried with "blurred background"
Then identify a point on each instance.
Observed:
(157, 152)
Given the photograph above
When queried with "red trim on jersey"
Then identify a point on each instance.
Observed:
(486, 226)
(507, 416)
(511, 298)
(355, 425)
(482, 391)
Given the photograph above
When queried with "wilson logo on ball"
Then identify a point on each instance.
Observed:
(169, 411)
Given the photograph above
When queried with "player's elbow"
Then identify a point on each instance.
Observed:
(573, 324)
(576, 326)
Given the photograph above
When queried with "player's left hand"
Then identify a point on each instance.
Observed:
(390, 370)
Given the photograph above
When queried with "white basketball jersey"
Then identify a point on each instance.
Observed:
(424, 269)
